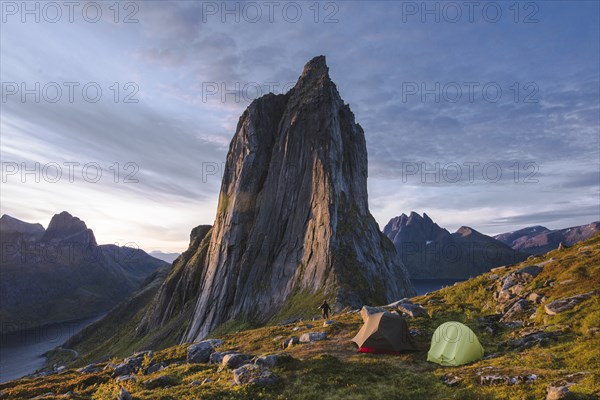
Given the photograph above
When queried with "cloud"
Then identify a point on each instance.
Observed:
(372, 53)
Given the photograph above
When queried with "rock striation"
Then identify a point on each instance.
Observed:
(293, 216)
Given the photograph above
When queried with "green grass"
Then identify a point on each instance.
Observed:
(332, 369)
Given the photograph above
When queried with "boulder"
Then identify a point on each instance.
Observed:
(272, 360)
(126, 378)
(233, 361)
(251, 374)
(412, 310)
(312, 337)
(200, 352)
(156, 367)
(217, 357)
(535, 298)
(559, 393)
(365, 311)
(159, 382)
(500, 379)
(131, 364)
(90, 369)
(289, 342)
(123, 395)
(43, 396)
(328, 322)
(451, 380)
(531, 270)
(562, 305)
(518, 311)
(397, 303)
(531, 339)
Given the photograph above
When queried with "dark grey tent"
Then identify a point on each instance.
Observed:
(384, 332)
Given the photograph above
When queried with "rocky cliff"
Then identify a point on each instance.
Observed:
(293, 217)
(429, 251)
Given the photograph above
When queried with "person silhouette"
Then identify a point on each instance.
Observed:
(325, 309)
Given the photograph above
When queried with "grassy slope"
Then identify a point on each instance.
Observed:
(332, 369)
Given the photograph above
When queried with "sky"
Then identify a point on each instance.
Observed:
(483, 114)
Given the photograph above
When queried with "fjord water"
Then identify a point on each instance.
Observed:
(21, 353)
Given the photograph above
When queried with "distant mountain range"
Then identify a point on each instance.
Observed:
(168, 257)
(60, 273)
(431, 252)
(538, 239)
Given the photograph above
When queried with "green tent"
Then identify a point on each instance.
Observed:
(454, 344)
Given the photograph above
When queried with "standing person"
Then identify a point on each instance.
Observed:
(325, 309)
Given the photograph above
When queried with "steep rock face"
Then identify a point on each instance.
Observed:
(177, 295)
(293, 212)
(539, 240)
(431, 252)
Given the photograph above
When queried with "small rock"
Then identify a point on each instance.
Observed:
(217, 357)
(272, 360)
(531, 270)
(195, 382)
(159, 382)
(233, 361)
(200, 352)
(413, 310)
(123, 395)
(328, 322)
(366, 311)
(518, 311)
(289, 342)
(125, 378)
(90, 369)
(397, 303)
(206, 380)
(535, 298)
(156, 367)
(254, 375)
(312, 337)
(559, 393)
(61, 369)
(562, 305)
(493, 380)
(123, 369)
(531, 339)
(451, 380)
(43, 396)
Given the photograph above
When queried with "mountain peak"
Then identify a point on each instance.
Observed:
(309, 222)
(12, 224)
(465, 231)
(64, 225)
(315, 76)
(316, 67)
